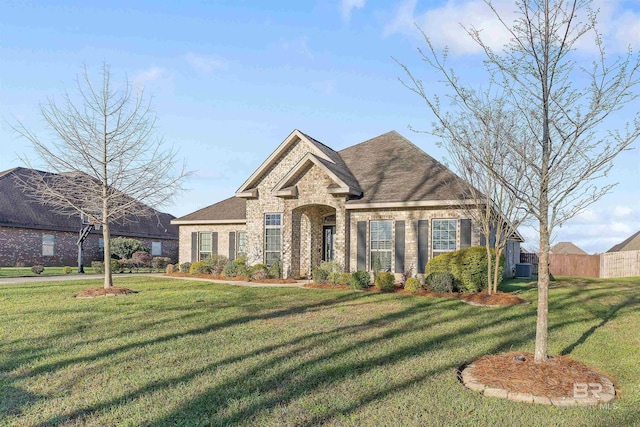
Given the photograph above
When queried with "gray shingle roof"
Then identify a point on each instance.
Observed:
(630, 244)
(17, 210)
(229, 209)
(389, 168)
(567, 248)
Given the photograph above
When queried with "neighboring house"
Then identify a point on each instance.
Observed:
(383, 201)
(630, 244)
(567, 248)
(30, 233)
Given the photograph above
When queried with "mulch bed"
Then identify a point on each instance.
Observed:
(102, 292)
(481, 298)
(231, 279)
(556, 377)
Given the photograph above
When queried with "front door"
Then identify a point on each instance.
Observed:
(328, 242)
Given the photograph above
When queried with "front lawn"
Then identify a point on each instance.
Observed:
(196, 353)
(48, 271)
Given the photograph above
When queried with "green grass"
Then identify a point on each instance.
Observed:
(48, 271)
(194, 353)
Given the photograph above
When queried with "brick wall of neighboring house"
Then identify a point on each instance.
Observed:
(24, 246)
(223, 231)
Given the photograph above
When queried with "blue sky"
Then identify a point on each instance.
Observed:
(231, 79)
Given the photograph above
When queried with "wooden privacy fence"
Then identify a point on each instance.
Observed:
(606, 265)
(620, 264)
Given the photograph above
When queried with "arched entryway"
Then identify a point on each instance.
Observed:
(313, 238)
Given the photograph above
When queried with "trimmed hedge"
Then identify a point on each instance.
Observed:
(385, 281)
(440, 282)
(412, 285)
(468, 267)
(320, 276)
(199, 267)
(360, 279)
(345, 279)
(185, 267)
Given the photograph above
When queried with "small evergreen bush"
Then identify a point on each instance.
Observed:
(440, 282)
(98, 266)
(320, 276)
(37, 269)
(185, 267)
(216, 263)
(230, 269)
(170, 269)
(345, 279)
(468, 267)
(117, 266)
(360, 279)
(199, 267)
(67, 270)
(412, 285)
(385, 281)
(259, 272)
(275, 270)
(160, 263)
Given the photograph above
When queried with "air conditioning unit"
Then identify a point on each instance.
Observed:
(524, 270)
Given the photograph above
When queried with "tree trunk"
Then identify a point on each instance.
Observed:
(542, 324)
(496, 269)
(108, 279)
(489, 265)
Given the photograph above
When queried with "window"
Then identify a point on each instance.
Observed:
(204, 242)
(380, 245)
(443, 237)
(156, 248)
(48, 242)
(272, 238)
(100, 243)
(242, 244)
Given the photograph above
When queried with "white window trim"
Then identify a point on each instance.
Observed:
(271, 227)
(371, 250)
(456, 240)
(238, 253)
(200, 251)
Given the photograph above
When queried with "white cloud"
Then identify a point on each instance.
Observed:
(143, 77)
(205, 64)
(347, 6)
(620, 27)
(622, 212)
(298, 46)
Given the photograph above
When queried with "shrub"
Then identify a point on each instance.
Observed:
(468, 267)
(275, 270)
(160, 262)
(185, 267)
(230, 269)
(117, 266)
(124, 248)
(333, 270)
(440, 282)
(360, 279)
(320, 276)
(216, 263)
(141, 259)
(385, 281)
(98, 266)
(412, 284)
(345, 279)
(199, 267)
(37, 269)
(170, 269)
(259, 272)
(67, 270)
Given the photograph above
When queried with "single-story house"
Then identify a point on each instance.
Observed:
(382, 202)
(30, 233)
(632, 243)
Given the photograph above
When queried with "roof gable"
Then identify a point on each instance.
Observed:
(318, 149)
(229, 211)
(567, 248)
(343, 184)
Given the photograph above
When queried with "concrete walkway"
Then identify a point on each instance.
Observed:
(15, 280)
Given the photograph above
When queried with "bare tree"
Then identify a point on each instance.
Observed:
(107, 163)
(565, 145)
(477, 149)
